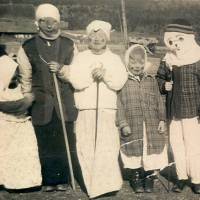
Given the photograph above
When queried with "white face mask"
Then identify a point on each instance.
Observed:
(182, 47)
(48, 27)
(179, 43)
(97, 41)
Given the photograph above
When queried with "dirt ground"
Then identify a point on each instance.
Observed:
(126, 193)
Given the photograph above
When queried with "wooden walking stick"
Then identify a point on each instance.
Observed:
(64, 131)
(97, 115)
(58, 96)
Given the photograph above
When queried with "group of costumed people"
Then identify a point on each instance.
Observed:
(111, 110)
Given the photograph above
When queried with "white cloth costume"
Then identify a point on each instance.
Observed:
(185, 132)
(100, 167)
(19, 160)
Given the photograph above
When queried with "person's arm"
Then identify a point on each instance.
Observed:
(25, 78)
(16, 107)
(121, 116)
(121, 121)
(80, 75)
(163, 76)
(116, 75)
(198, 76)
(25, 71)
(160, 103)
(64, 72)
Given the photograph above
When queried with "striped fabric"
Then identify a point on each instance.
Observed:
(179, 28)
(180, 25)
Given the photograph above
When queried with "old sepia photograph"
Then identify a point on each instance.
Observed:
(99, 99)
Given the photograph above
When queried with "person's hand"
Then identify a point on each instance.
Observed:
(17, 107)
(168, 86)
(26, 103)
(98, 73)
(126, 131)
(28, 99)
(54, 67)
(162, 127)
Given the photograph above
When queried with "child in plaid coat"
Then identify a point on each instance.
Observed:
(141, 120)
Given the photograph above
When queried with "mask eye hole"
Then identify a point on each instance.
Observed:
(181, 39)
(170, 42)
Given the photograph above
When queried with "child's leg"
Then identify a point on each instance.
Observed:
(136, 180)
(191, 129)
(179, 151)
(148, 181)
(178, 148)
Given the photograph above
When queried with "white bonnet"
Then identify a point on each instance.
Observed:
(98, 24)
(47, 10)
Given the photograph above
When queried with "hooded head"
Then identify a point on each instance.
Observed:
(98, 35)
(48, 21)
(136, 60)
(179, 37)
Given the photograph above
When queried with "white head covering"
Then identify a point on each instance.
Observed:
(98, 24)
(47, 10)
(127, 55)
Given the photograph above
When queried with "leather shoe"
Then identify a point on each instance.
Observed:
(62, 187)
(196, 188)
(137, 183)
(148, 185)
(179, 186)
(48, 188)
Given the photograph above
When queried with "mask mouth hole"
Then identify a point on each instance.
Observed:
(170, 42)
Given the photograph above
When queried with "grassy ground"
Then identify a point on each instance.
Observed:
(126, 193)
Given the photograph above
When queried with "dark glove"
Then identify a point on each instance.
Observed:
(17, 107)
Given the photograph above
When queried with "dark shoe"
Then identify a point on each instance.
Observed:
(179, 186)
(48, 188)
(62, 187)
(148, 184)
(196, 188)
(137, 183)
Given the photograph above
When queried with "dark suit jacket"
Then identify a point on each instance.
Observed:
(61, 50)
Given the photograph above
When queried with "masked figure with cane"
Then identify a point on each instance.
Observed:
(41, 60)
(97, 74)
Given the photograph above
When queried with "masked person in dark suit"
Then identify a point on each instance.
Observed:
(46, 53)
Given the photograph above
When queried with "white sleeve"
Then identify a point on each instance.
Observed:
(25, 71)
(63, 73)
(116, 75)
(80, 74)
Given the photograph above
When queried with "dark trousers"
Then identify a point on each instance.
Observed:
(52, 151)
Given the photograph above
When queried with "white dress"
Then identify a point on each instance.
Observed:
(19, 160)
(100, 167)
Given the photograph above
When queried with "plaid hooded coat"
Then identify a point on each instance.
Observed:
(140, 101)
